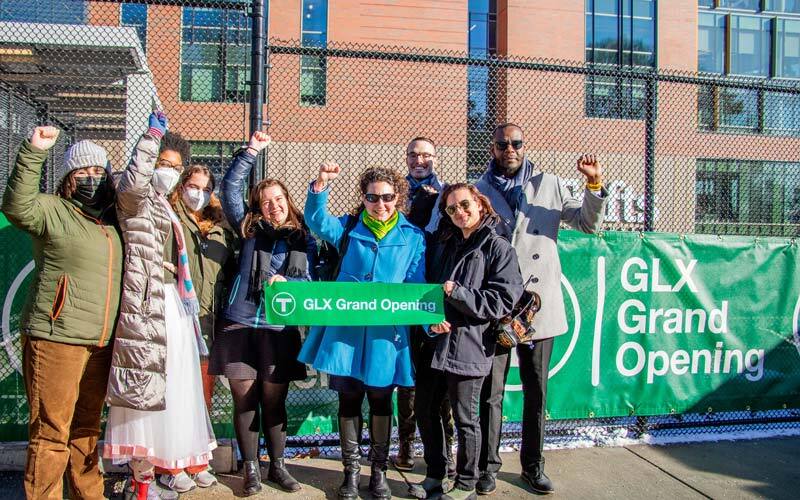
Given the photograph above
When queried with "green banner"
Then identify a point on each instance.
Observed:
(351, 303)
(664, 323)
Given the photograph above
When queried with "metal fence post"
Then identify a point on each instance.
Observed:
(650, 113)
(258, 41)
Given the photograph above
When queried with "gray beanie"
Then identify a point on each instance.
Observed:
(85, 154)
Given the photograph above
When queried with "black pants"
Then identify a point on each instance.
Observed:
(534, 364)
(492, 411)
(422, 351)
(464, 394)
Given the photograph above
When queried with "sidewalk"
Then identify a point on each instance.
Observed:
(730, 469)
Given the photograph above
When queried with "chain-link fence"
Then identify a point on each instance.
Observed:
(685, 153)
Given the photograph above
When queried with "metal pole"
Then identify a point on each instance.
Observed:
(257, 42)
(650, 112)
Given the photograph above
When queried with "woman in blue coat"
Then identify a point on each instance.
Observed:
(366, 360)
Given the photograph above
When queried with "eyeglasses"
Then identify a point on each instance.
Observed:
(168, 164)
(502, 145)
(464, 205)
(386, 197)
(424, 156)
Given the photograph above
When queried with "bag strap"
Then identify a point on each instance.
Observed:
(344, 241)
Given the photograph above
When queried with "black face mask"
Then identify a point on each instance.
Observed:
(91, 191)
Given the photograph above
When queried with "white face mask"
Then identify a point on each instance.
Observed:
(196, 199)
(164, 180)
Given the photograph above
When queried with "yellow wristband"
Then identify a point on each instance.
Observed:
(594, 187)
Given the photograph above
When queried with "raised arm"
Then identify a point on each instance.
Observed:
(233, 184)
(23, 204)
(315, 212)
(585, 216)
(134, 184)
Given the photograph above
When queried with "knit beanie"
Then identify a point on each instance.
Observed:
(85, 154)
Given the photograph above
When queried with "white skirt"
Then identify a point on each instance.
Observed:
(179, 436)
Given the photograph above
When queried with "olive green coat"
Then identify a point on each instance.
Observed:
(75, 294)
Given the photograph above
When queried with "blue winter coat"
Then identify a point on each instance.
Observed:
(379, 356)
(238, 309)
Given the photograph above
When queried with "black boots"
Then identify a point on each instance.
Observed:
(252, 477)
(380, 430)
(537, 479)
(279, 475)
(349, 438)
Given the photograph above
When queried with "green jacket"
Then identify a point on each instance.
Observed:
(210, 261)
(75, 293)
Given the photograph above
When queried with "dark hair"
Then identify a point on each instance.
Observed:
(445, 221)
(68, 185)
(423, 139)
(293, 219)
(173, 141)
(504, 126)
(212, 214)
(387, 175)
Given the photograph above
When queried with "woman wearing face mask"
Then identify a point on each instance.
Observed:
(157, 414)
(260, 359)
(482, 282)
(71, 310)
(383, 247)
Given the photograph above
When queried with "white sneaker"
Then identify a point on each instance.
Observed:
(180, 482)
(205, 479)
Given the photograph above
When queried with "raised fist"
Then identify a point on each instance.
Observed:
(157, 124)
(259, 141)
(328, 171)
(590, 167)
(44, 137)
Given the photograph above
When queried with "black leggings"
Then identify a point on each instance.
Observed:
(380, 403)
(254, 398)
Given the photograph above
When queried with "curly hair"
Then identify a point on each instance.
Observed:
(382, 174)
(480, 199)
(212, 214)
(173, 141)
(294, 218)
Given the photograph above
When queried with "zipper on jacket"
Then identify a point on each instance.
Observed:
(109, 276)
(61, 297)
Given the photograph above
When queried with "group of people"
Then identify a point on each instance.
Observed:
(148, 286)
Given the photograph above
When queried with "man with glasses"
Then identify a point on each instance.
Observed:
(533, 203)
(423, 189)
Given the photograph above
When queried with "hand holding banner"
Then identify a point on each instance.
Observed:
(329, 303)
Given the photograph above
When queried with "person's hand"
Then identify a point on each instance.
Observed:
(448, 287)
(443, 327)
(259, 141)
(427, 188)
(44, 137)
(327, 172)
(157, 124)
(590, 167)
(276, 278)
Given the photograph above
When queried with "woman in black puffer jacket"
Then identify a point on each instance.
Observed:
(482, 283)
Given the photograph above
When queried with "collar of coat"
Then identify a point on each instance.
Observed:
(398, 236)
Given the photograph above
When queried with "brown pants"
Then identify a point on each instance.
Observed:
(208, 391)
(65, 386)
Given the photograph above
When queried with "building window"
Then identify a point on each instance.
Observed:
(747, 197)
(215, 51)
(711, 43)
(750, 45)
(706, 3)
(25, 11)
(217, 156)
(623, 33)
(782, 113)
(135, 15)
(482, 44)
(752, 5)
(314, 69)
(788, 48)
(789, 6)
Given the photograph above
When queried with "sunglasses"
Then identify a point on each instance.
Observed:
(502, 145)
(386, 197)
(464, 205)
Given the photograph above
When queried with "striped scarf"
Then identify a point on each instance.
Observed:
(186, 289)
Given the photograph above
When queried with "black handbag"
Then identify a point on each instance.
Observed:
(517, 328)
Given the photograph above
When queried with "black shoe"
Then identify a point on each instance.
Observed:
(428, 488)
(252, 477)
(404, 460)
(349, 438)
(487, 484)
(278, 474)
(459, 494)
(538, 481)
(380, 429)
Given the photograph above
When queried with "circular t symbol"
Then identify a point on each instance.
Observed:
(283, 304)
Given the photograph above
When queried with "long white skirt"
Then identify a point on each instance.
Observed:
(179, 436)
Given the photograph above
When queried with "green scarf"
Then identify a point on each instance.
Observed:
(379, 228)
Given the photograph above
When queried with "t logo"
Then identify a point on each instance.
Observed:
(283, 304)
